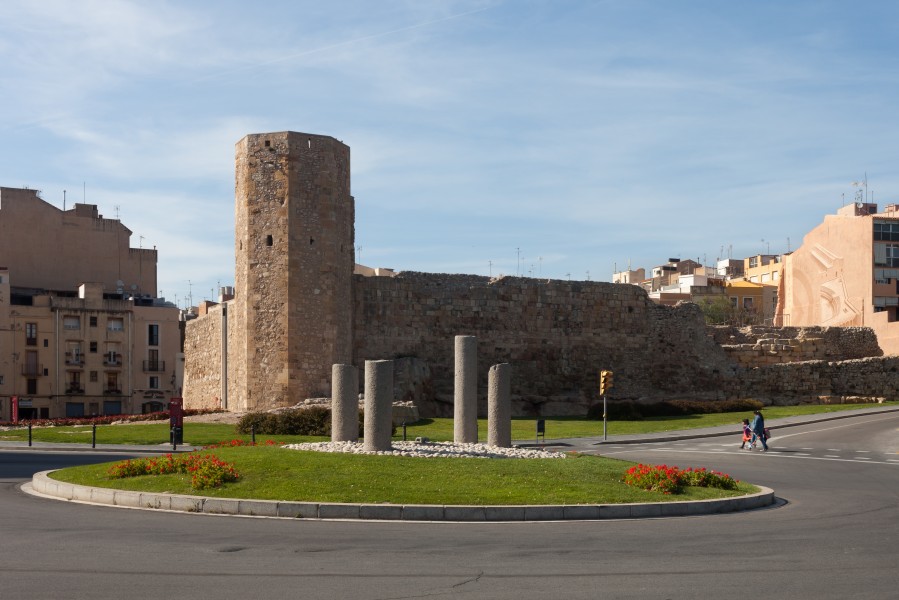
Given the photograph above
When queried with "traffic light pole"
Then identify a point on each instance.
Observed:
(604, 436)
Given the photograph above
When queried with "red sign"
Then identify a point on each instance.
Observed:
(14, 409)
(176, 412)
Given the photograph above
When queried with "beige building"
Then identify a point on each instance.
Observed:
(71, 345)
(95, 249)
(846, 273)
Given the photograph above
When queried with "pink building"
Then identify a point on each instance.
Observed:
(846, 273)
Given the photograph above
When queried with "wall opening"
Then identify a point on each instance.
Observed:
(269, 240)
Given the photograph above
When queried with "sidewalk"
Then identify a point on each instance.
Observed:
(591, 443)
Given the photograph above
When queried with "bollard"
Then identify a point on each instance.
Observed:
(253, 433)
(404, 431)
(94, 436)
(29, 435)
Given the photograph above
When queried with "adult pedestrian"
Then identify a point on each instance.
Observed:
(758, 430)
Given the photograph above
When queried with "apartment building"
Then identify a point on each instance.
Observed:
(846, 273)
(71, 345)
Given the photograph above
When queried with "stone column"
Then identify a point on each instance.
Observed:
(344, 403)
(499, 406)
(378, 405)
(465, 394)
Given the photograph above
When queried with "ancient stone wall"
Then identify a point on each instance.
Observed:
(764, 345)
(203, 364)
(557, 335)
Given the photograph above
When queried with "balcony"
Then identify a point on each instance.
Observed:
(75, 360)
(154, 366)
(112, 360)
(32, 370)
(112, 392)
(74, 388)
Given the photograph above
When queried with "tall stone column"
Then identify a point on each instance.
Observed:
(344, 403)
(465, 393)
(378, 405)
(499, 406)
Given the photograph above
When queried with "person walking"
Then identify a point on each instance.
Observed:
(758, 430)
(747, 435)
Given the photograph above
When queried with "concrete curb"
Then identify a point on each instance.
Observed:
(42, 484)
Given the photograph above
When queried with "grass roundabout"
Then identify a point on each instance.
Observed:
(270, 472)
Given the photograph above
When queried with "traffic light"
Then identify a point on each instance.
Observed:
(605, 382)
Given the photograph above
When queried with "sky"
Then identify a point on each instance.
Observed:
(558, 139)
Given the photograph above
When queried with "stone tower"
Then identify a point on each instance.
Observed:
(294, 252)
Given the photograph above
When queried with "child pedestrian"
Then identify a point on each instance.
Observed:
(747, 435)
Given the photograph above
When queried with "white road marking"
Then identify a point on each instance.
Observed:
(831, 456)
(776, 454)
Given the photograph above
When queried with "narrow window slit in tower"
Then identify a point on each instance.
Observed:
(311, 241)
(268, 240)
(267, 143)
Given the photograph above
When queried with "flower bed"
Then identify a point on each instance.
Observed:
(672, 480)
(205, 470)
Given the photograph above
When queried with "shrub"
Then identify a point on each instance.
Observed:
(260, 422)
(314, 420)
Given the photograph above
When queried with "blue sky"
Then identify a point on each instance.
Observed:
(547, 138)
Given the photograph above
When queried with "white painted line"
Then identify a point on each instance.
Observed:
(833, 449)
(863, 458)
(864, 451)
(831, 456)
(801, 454)
(878, 419)
(806, 448)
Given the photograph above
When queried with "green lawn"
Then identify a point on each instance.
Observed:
(273, 473)
(199, 434)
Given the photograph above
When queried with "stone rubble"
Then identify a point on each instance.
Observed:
(430, 450)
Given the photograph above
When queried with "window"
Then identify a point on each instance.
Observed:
(93, 376)
(886, 231)
(93, 321)
(31, 387)
(115, 324)
(112, 382)
(93, 347)
(71, 323)
(153, 335)
(154, 383)
(31, 334)
(1, 379)
(892, 255)
(733, 302)
(747, 303)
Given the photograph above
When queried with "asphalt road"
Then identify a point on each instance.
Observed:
(834, 535)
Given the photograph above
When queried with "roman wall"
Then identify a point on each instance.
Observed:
(756, 346)
(557, 335)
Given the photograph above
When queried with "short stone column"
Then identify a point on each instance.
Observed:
(499, 406)
(378, 405)
(344, 403)
(465, 393)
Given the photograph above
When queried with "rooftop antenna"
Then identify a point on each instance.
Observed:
(518, 263)
(588, 275)
(539, 265)
(84, 192)
(788, 245)
(63, 201)
(490, 268)
(116, 207)
(141, 242)
(190, 294)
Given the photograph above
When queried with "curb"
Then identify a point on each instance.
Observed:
(42, 484)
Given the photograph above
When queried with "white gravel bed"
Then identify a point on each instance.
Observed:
(430, 450)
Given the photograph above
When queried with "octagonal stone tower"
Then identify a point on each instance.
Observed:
(294, 236)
